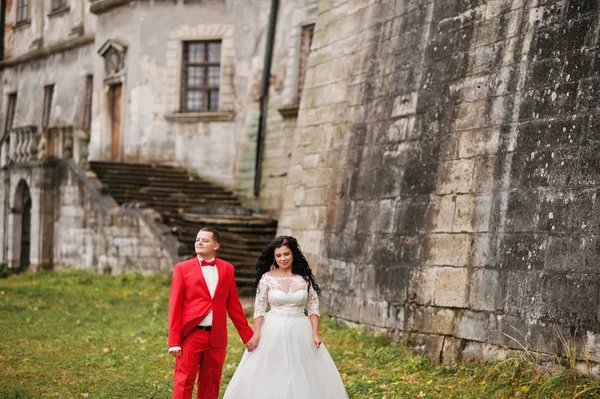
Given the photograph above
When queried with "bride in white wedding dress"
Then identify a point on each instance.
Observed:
(290, 361)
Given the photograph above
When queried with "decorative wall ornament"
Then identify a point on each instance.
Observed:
(113, 52)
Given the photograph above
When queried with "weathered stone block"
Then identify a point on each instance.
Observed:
(473, 326)
(441, 213)
(431, 320)
(405, 105)
(421, 289)
(448, 249)
(452, 287)
(456, 177)
(483, 250)
(485, 291)
(373, 312)
(464, 216)
(451, 350)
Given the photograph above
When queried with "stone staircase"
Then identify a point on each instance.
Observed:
(187, 203)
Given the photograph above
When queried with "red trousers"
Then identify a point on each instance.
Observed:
(198, 358)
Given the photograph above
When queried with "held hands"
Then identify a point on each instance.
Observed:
(176, 353)
(317, 340)
(253, 343)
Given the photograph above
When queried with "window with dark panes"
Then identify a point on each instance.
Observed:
(305, 42)
(10, 111)
(22, 10)
(58, 4)
(48, 94)
(201, 76)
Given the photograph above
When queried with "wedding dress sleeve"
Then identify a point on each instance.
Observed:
(262, 298)
(312, 303)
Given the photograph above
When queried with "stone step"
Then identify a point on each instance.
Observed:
(186, 204)
(175, 199)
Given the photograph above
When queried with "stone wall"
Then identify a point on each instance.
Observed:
(91, 232)
(280, 127)
(445, 173)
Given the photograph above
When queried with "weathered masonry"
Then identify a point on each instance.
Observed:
(446, 170)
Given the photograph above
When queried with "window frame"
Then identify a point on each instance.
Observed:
(46, 111)
(11, 106)
(306, 37)
(22, 9)
(58, 4)
(87, 103)
(207, 89)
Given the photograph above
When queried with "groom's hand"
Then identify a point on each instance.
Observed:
(176, 353)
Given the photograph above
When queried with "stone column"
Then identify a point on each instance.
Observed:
(4, 209)
(42, 220)
(14, 238)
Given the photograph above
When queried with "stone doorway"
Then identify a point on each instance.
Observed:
(26, 232)
(115, 120)
(22, 226)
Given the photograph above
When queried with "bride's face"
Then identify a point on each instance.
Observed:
(283, 257)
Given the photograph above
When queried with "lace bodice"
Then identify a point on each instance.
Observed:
(287, 296)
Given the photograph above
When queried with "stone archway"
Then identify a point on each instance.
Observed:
(22, 226)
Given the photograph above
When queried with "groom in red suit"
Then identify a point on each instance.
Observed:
(202, 292)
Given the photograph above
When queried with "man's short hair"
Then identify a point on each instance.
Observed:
(214, 232)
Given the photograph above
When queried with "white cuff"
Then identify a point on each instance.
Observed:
(175, 348)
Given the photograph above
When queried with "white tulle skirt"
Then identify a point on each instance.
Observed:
(286, 365)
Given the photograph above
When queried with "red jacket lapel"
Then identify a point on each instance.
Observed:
(200, 275)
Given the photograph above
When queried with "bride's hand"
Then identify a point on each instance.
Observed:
(317, 340)
(253, 343)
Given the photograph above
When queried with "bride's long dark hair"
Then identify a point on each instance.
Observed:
(299, 264)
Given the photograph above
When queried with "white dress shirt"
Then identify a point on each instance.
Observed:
(211, 275)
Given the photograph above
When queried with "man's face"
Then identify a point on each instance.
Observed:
(205, 245)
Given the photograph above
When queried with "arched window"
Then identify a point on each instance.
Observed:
(22, 209)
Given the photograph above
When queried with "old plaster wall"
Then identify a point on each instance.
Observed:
(456, 166)
(45, 27)
(152, 127)
(67, 71)
(92, 233)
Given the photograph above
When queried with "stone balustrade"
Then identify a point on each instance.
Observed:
(29, 143)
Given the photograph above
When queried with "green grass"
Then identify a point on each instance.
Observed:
(78, 335)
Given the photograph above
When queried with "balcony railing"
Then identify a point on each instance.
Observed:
(28, 143)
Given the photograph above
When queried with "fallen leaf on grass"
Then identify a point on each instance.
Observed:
(106, 350)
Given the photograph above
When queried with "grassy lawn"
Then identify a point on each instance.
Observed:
(77, 335)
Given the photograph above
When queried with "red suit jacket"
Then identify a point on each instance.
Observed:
(190, 302)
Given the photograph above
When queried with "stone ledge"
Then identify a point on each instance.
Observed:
(58, 11)
(48, 51)
(289, 111)
(101, 6)
(22, 24)
(194, 117)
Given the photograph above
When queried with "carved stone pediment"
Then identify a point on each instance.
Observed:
(113, 52)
